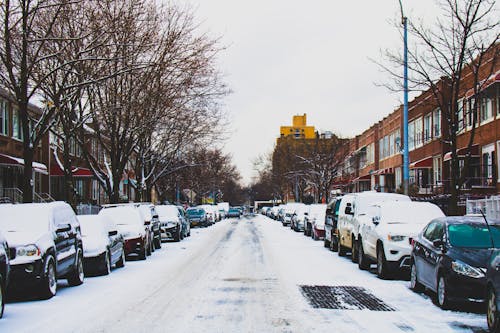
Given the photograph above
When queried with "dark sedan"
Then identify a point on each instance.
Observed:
(450, 257)
(197, 217)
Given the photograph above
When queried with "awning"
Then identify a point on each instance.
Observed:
(362, 178)
(424, 163)
(55, 170)
(494, 78)
(474, 152)
(386, 171)
(11, 160)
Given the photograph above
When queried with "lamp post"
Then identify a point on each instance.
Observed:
(406, 171)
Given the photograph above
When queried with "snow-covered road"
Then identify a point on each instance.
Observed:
(236, 276)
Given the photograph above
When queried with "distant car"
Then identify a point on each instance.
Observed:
(493, 293)
(103, 245)
(315, 221)
(331, 231)
(47, 244)
(387, 230)
(233, 212)
(298, 218)
(197, 217)
(130, 224)
(4, 271)
(450, 257)
(186, 226)
(170, 223)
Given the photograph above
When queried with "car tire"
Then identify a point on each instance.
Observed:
(143, 253)
(414, 284)
(157, 243)
(442, 294)
(177, 236)
(121, 262)
(341, 251)
(149, 247)
(2, 296)
(48, 283)
(326, 243)
(363, 262)
(382, 269)
(106, 264)
(334, 246)
(492, 311)
(76, 277)
(354, 250)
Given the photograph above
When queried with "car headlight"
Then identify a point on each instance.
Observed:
(467, 270)
(27, 251)
(395, 238)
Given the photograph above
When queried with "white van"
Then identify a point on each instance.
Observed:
(352, 207)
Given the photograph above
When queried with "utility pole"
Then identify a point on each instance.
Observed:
(406, 171)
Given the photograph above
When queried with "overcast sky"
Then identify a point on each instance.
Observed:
(287, 57)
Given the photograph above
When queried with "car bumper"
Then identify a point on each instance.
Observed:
(464, 288)
(398, 251)
(92, 263)
(134, 246)
(320, 233)
(26, 274)
(169, 232)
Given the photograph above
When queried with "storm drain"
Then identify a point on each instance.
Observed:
(343, 298)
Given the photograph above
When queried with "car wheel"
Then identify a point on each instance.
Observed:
(414, 284)
(157, 243)
(354, 250)
(341, 251)
(48, 284)
(121, 262)
(143, 254)
(442, 295)
(106, 264)
(492, 312)
(363, 262)
(149, 247)
(326, 243)
(2, 296)
(382, 269)
(75, 278)
(333, 243)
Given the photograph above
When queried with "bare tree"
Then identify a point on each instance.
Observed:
(462, 41)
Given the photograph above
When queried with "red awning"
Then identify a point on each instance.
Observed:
(424, 163)
(362, 178)
(474, 152)
(55, 170)
(11, 160)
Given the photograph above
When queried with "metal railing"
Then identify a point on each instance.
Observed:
(14, 194)
(489, 207)
(87, 209)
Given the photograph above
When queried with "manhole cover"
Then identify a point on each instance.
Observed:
(343, 298)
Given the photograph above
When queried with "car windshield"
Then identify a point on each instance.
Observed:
(167, 212)
(122, 215)
(474, 235)
(91, 228)
(195, 212)
(20, 218)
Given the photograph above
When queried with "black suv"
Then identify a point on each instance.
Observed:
(45, 244)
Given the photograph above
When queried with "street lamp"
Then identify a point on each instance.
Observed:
(406, 171)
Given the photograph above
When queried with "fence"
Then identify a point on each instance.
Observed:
(489, 207)
(87, 209)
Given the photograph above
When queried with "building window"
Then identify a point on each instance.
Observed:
(427, 128)
(469, 111)
(398, 178)
(437, 169)
(4, 117)
(460, 115)
(486, 109)
(437, 123)
(411, 135)
(392, 148)
(17, 130)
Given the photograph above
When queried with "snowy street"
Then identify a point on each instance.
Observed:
(246, 275)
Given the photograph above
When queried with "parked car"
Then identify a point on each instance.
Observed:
(4, 271)
(170, 223)
(234, 212)
(493, 292)
(299, 216)
(210, 213)
(352, 207)
(314, 221)
(197, 217)
(130, 224)
(332, 217)
(387, 230)
(450, 257)
(45, 244)
(103, 245)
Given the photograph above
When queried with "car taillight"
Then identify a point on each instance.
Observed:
(411, 241)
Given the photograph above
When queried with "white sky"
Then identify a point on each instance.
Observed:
(287, 57)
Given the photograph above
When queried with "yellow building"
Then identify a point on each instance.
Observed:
(299, 128)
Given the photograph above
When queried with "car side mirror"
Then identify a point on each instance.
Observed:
(376, 220)
(113, 233)
(147, 222)
(156, 216)
(438, 243)
(348, 210)
(63, 228)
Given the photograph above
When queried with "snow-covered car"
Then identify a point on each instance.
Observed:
(387, 230)
(47, 244)
(234, 212)
(300, 210)
(186, 226)
(197, 217)
(332, 218)
(170, 223)
(315, 221)
(352, 207)
(4, 271)
(130, 224)
(103, 245)
(210, 213)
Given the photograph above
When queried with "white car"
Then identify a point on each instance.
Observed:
(386, 233)
(315, 221)
(170, 222)
(298, 217)
(352, 207)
